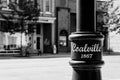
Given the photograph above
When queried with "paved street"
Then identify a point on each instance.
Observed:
(51, 68)
(35, 69)
(111, 69)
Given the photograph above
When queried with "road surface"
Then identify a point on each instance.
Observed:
(51, 68)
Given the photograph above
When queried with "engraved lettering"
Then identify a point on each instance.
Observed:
(86, 48)
(86, 55)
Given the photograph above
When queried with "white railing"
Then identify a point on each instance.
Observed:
(10, 52)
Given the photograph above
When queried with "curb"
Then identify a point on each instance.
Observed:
(49, 55)
(46, 55)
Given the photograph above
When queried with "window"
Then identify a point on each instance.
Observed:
(63, 3)
(6, 2)
(47, 5)
(34, 2)
(38, 30)
(63, 38)
(15, 1)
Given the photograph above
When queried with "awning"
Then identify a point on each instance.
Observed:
(46, 19)
(40, 20)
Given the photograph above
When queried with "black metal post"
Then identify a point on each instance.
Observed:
(86, 44)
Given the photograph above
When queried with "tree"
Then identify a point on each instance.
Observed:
(23, 13)
(110, 15)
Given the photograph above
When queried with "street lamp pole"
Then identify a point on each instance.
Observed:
(86, 44)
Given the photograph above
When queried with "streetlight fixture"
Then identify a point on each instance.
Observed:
(86, 43)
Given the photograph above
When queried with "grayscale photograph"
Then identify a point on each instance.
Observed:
(59, 39)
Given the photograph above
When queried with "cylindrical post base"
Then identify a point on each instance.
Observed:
(86, 44)
(86, 74)
(86, 55)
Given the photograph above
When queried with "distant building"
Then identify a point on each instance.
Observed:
(65, 23)
(56, 22)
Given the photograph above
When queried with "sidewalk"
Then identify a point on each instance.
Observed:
(111, 53)
(50, 55)
(45, 55)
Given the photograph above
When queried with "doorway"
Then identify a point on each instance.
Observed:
(47, 38)
(38, 43)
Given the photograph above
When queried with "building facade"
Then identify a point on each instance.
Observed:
(54, 25)
(43, 38)
(65, 23)
(56, 22)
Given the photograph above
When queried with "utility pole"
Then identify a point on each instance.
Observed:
(86, 43)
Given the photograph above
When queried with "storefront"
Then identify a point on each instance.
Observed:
(63, 29)
(11, 41)
(43, 38)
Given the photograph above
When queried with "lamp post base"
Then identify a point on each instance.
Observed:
(86, 55)
(86, 74)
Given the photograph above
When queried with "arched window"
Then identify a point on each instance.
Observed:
(63, 38)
